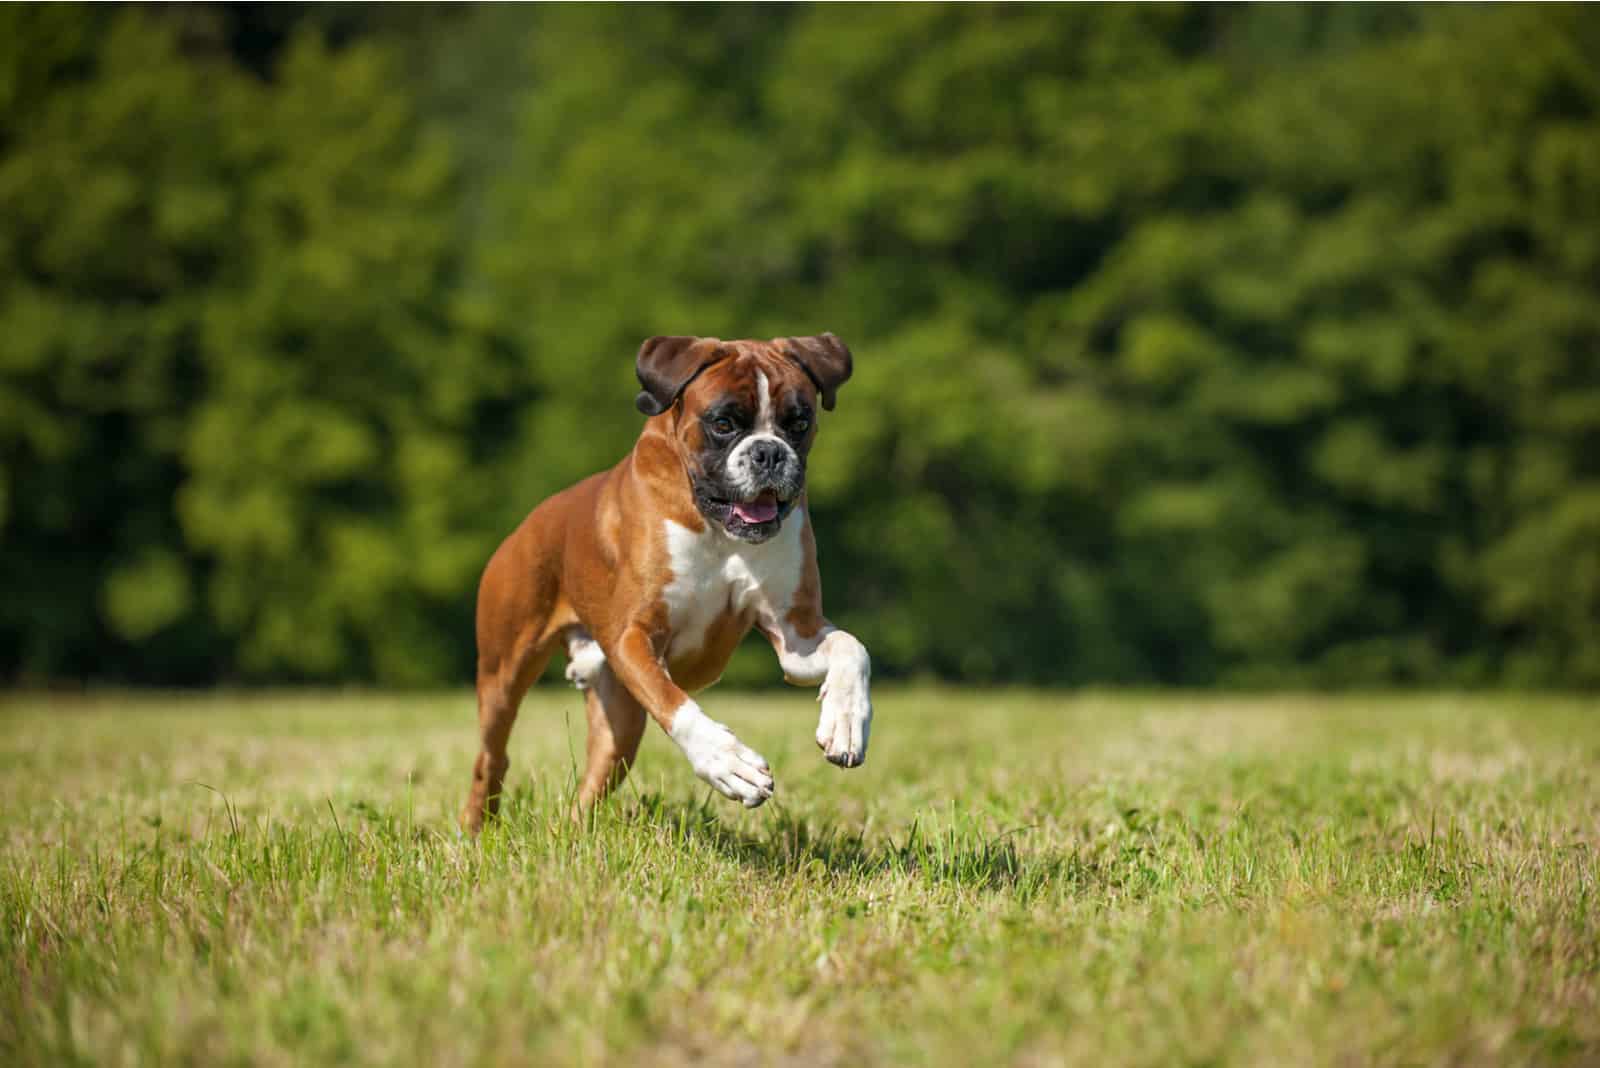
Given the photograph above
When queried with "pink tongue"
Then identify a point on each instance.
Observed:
(760, 510)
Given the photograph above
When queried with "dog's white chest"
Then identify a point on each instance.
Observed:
(714, 576)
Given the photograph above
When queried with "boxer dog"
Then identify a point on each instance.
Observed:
(650, 574)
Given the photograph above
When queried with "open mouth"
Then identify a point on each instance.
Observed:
(756, 519)
(763, 509)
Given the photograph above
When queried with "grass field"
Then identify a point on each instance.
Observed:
(1020, 878)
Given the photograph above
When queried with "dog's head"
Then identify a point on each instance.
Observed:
(743, 415)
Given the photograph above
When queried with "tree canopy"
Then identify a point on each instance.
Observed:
(1195, 345)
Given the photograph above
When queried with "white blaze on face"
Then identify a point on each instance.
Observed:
(764, 402)
(741, 478)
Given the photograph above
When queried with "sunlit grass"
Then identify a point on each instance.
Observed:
(1014, 877)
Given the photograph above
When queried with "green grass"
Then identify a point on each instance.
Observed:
(1023, 878)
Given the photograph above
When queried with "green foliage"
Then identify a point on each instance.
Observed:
(1194, 344)
(229, 449)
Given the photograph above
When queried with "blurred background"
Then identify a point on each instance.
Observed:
(1243, 346)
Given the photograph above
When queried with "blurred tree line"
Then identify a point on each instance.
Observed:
(1195, 345)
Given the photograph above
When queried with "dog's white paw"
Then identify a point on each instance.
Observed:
(846, 721)
(732, 768)
(585, 660)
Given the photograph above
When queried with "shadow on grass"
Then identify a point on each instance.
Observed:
(965, 857)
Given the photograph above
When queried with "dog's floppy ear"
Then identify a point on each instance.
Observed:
(666, 365)
(826, 360)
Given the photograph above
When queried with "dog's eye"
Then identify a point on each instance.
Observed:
(723, 425)
(799, 425)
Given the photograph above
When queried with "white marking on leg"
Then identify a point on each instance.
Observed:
(585, 659)
(732, 768)
(837, 660)
(846, 701)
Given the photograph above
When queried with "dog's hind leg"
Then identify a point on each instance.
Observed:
(518, 626)
(500, 691)
(616, 724)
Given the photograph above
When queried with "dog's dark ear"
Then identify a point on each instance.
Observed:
(666, 365)
(826, 360)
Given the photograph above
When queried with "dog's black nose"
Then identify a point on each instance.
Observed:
(766, 456)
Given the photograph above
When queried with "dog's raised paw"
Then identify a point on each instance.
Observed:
(845, 725)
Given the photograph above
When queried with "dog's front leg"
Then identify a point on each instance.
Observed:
(732, 768)
(840, 663)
